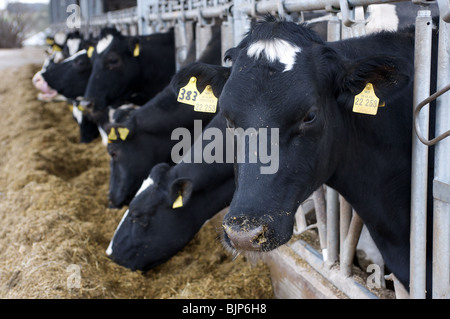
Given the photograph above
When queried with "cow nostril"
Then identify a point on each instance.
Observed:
(245, 238)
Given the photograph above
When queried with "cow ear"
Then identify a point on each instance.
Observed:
(134, 46)
(388, 76)
(180, 192)
(119, 131)
(206, 74)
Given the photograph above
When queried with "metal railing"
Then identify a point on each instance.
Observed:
(339, 227)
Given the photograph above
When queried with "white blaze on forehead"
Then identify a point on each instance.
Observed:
(109, 250)
(275, 50)
(144, 186)
(383, 17)
(104, 43)
(74, 56)
(73, 45)
(60, 38)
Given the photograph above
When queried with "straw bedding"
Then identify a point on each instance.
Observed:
(55, 223)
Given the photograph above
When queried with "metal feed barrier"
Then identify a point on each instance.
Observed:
(338, 226)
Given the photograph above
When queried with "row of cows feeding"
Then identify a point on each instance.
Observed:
(283, 78)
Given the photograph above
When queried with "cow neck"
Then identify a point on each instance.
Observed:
(157, 63)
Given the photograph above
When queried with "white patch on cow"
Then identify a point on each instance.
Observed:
(104, 43)
(58, 57)
(73, 45)
(74, 56)
(60, 38)
(77, 114)
(383, 17)
(147, 183)
(109, 250)
(112, 111)
(275, 50)
(103, 135)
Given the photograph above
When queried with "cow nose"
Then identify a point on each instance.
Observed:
(245, 238)
(38, 81)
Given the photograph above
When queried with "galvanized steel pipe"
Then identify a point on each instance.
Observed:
(422, 72)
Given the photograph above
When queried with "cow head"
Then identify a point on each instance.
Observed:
(114, 71)
(285, 77)
(133, 153)
(68, 78)
(151, 230)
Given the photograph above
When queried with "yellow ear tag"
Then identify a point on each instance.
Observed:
(90, 52)
(49, 41)
(123, 133)
(178, 202)
(137, 50)
(189, 94)
(206, 102)
(112, 136)
(80, 108)
(366, 102)
(56, 48)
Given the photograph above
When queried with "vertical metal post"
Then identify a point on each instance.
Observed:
(142, 11)
(184, 35)
(441, 189)
(241, 21)
(203, 34)
(227, 37)
(422, 72)
(332, 255)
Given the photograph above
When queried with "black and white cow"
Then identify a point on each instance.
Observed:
(149, 141)
(128, 69)
(153, 229)
(63, 47)
(285, 77)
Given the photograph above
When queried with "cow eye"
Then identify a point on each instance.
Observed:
(310, 117)
(113, 61)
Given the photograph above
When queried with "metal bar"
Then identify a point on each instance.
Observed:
(347, 285)
(321, 217)
(345, 218)
(332, 198)
(260, 8)
(422, 71)
(349, 246)
(441, 189)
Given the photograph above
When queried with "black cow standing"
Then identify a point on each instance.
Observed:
(285, 77)
(153, 229)
(128, 69)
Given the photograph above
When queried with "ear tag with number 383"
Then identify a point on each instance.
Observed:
(189, 93)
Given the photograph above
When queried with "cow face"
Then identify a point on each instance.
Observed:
(70, 77)
(132, 159)
(284, 77)
(114, 71)
(151, 230)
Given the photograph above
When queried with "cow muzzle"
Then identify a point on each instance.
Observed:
(243, 235)
(47, 94)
